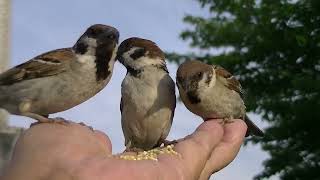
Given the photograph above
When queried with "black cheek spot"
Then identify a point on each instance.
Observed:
(193, 97)
(138, 53)
(133, 72)
(81, 48)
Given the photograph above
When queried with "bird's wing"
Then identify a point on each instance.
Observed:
(48, 64)
(127, 142)
(166, 127)
(172, 88)
(228, 79)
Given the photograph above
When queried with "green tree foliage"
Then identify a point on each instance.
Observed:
(274, 48)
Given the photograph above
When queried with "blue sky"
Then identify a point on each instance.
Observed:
(38, 26)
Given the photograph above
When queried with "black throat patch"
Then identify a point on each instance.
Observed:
(134, 72)
(137, 72)
(103, 58)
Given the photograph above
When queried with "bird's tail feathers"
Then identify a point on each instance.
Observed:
(252, 128)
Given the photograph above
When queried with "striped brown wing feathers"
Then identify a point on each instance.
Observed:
(228, 79)
(47, 64)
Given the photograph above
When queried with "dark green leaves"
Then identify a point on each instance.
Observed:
(274, 47)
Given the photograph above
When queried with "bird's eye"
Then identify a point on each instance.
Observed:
(92, 32)
(111, 36)
(199, 74)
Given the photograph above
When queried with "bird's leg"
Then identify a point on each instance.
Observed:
(38, 117)
(221, 120)
(173, 142)
(130, 153)
(59, 120)
(44, 119)
(129, 148)
(224, 120)
(24, 108)
(133, 149)
(83, 124)
(151, 154)
(227, 120)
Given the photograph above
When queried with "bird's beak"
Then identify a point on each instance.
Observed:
(105, 37)
(120, 58)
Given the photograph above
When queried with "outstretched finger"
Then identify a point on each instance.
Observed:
(195, 150)
(227, 149)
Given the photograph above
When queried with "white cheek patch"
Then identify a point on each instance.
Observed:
(146, 61)
(113, 58)
(203, 82)
(92, 44)
(127, 58)
(87, 61)
(140, 62)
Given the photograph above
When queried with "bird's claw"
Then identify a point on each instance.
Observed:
(57, 120)
(83, 124)
(60, 120)
(133, 149)
(173, 142)
(151, 154)
(224, 121)
(227, 120)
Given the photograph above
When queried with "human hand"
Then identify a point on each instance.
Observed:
(54, 151)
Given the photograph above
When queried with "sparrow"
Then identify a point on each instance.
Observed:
(60, 79)
(211, 92)
(148, 95)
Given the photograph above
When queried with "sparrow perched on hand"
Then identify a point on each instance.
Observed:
(211, 92)
(148, 95)
(60, 79)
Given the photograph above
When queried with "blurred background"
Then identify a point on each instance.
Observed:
(272, 47)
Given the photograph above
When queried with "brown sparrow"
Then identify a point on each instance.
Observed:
(211, 92)
(60, 79)
(148, 95)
